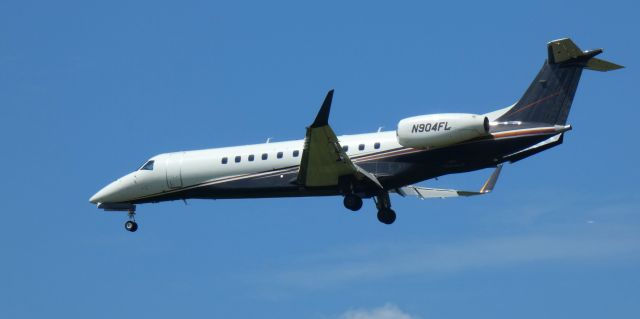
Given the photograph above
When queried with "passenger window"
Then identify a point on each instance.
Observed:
(251, 157)
(376, 145)
(361, 147)
(238, 159)
(265, 156)
(296, 153)
(148, 166)
(225, 160)
(345, 148)
(279, 155)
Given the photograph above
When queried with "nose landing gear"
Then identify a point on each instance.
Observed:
(131, 224)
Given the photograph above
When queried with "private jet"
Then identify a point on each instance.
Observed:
(372, 165)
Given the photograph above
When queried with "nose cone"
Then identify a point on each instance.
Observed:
(99, 197)
(94, 198)
(104, 195)
(115, 192)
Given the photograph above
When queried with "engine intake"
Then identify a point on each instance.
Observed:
(437, 130)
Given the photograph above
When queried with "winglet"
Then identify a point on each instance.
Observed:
(423, 193)
(491, 182)
(322, 118)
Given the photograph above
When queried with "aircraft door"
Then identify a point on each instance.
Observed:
(173, 166)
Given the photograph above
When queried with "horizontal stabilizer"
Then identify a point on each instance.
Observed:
(565, 51)
(602, 65)
(423, 192)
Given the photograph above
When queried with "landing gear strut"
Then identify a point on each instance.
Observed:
(131, 224)
(386, 215)
(352, 202)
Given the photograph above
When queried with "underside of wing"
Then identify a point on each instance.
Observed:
(323, 159)
(424, 192)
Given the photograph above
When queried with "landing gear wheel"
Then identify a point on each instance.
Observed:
(352, 202)
(387, 216)
(131, 226)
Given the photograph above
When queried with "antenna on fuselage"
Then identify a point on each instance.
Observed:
(268, 140)
(380, 129)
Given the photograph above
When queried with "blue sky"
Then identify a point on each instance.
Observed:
(89, 91)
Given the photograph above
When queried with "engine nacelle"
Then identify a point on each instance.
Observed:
(436, 130)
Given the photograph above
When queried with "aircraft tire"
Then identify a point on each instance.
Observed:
(387, 216)
(352, 202)
(131, 226)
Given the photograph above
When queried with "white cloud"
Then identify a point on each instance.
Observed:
(387, 311)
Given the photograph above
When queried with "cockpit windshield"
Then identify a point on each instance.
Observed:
(148, 166)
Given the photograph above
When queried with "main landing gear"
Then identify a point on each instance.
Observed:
(131, 224)
(352, 202)
(386, 215)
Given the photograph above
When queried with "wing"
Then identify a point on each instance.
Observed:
(323, 159)
(423, 192)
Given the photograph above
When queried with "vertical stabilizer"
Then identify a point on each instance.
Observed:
(549, 97)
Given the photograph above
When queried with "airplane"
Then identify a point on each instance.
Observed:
(371, 165)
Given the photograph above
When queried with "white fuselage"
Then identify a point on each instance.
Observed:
(179, 170)
(171, 172)
(370, 165)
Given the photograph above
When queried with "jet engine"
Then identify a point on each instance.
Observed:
(437, 130)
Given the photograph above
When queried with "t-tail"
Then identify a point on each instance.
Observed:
(548, 99)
